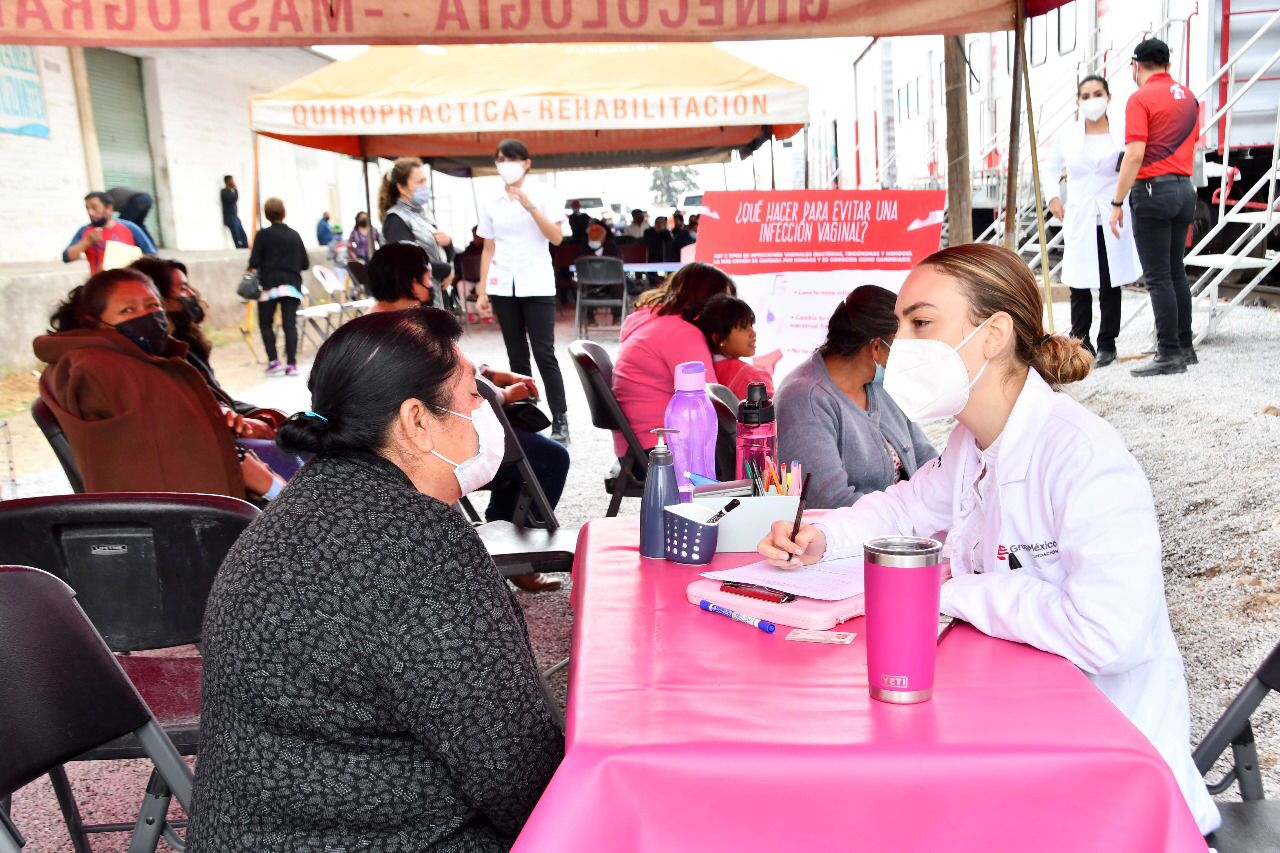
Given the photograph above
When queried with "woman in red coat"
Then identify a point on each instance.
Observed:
(138, 416)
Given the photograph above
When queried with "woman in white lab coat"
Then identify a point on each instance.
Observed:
(1093, 257)
(1030, 481)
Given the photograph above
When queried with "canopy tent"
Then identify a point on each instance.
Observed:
(586, 106)
(260, 23)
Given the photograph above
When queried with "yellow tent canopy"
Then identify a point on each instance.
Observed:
(574, 105)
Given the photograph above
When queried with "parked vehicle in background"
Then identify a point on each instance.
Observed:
(691, 204)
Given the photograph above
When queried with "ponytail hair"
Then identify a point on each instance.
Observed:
(994, 279)
(861, 317)
(389, 192)
(365, 371)
(85, 304)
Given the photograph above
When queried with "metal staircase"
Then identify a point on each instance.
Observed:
(1247, 256)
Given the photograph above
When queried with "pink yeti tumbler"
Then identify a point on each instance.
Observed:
(903, 577)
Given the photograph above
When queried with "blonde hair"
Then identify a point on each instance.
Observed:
(389, 192)
(995, 279)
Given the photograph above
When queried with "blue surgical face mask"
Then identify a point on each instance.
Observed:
(422, 196)
(879, 378)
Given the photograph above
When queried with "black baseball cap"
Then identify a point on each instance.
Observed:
(1153, 51)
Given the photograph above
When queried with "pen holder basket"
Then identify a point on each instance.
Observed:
(688, 538)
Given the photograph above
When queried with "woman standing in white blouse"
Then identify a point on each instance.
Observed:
(517, 281)
(1093, 257)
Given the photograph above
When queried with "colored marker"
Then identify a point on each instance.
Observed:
(767, 627)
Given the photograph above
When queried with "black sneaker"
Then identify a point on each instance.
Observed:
(1104, 357)
(1189, 356)
(560, 429)
(1161, 365)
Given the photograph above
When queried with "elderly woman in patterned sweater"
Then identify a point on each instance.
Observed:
(368, 681)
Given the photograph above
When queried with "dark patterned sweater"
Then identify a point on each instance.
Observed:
(368, 679)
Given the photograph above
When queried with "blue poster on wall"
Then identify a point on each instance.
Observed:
(21, 93)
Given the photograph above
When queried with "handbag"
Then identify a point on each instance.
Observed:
(249, 288)
(525, 415)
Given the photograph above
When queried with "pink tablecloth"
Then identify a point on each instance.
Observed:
(690, 732)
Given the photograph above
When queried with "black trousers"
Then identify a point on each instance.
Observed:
(1162, 213)
(531, 320)
(1108, 304)
(550, 463)
(289, 318)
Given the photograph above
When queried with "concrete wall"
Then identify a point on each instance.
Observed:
(29, 293)
(43, 181)
(198, 116)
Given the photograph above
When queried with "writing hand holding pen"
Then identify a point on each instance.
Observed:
(782, 551)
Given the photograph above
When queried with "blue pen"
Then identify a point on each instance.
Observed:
(699, 480)
(767, 627)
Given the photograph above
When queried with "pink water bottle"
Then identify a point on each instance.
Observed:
(757, 430)
(903, 580)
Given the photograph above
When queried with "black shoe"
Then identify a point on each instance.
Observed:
(1161, 365)
(1189, 356)
(1104, 357)
(560, 429)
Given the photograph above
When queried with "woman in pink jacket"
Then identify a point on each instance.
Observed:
(657, 337)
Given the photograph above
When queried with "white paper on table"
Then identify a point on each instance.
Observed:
(116, 255)
(833, 580)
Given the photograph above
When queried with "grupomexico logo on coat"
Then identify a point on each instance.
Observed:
(1034, 550)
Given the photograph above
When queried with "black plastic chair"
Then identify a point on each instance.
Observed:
(63, 694)
(48, 423)
(725, 402)
(532, 498)
(533, 541)
(359, 273)
(141, 565)
(601, 284)
(1254, 823)
(595, 370)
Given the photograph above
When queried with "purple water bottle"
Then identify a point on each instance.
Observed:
(690, 412)
(757, 430)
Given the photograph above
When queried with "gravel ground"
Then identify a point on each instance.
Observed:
(1201, 437)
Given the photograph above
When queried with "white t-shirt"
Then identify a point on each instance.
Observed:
(521, 264)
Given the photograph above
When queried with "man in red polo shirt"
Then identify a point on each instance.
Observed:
(90, 242)
(1162, 127)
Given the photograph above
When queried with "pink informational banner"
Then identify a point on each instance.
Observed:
(795, 255)
(262, 23)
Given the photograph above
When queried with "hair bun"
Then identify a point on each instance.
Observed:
(304, 432)
(1061, 360)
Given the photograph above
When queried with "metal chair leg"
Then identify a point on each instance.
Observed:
(619, 488)
(70, 811)
(11, 841)
(554, 668)
(150, 825)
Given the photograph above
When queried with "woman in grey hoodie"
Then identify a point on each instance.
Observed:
(834, 416)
